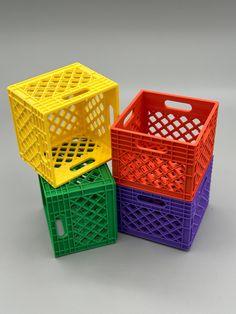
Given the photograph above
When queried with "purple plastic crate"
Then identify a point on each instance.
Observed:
(162, 219)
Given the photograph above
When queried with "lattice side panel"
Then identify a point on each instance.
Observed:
(154, 171)
(205, 151)
(26, 132)
(133, 121)
(176, 127)
(89, 219)
(152, 223)
(96, 116)
(202, 204)
(65, 123)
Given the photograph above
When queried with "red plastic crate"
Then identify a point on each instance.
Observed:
(162, 149)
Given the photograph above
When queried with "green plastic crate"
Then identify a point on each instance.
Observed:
(81, 214)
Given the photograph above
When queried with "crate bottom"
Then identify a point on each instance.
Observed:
(74, 156)
(85, 248)
(154, 239)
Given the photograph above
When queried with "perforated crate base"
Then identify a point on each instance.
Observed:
(81, 214)
(162, 219)
(66, 251)
(76, 154)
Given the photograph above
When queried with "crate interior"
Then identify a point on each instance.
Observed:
(79, 131)
(151, 115)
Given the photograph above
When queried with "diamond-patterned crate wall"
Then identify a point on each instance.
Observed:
(162, 219)
(62, 121)
(162, 149)
(82, 213)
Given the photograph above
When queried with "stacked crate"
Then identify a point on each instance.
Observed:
(62, 121)
(162, 159)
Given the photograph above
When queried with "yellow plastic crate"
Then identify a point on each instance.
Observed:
(62, 121)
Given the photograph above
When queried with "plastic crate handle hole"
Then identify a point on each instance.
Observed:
(76, 94)
(151, 150)
(151, 200)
